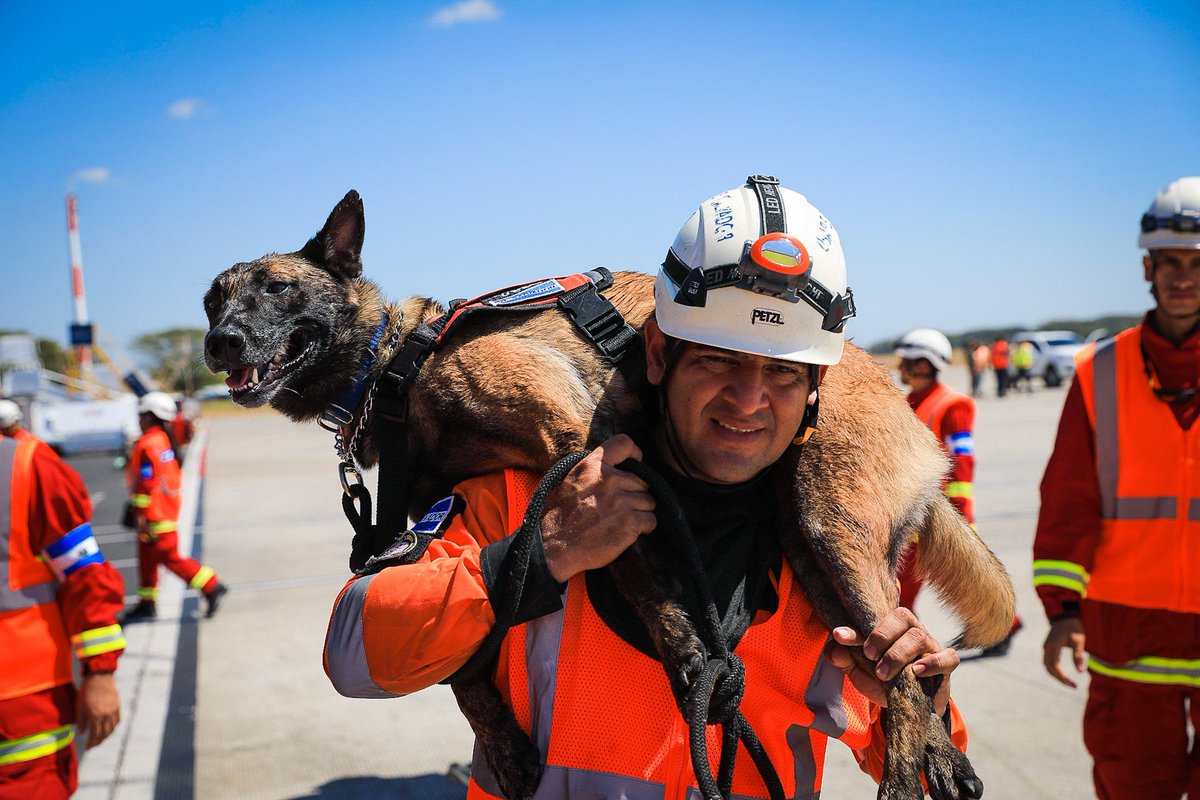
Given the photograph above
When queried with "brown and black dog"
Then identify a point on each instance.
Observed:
(522, 390)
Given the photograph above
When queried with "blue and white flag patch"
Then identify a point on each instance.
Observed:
(73, 552)
(961, 444)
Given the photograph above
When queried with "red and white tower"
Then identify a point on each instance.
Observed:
(80, 330)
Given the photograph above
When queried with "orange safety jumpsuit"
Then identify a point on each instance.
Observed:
(58, 595)
(154, 480)
(951, 417)
(600, 712)
(1118, 544)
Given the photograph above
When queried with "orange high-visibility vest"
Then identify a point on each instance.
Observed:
(557, 670)
(37, 650)
(1000, 354)
(932, 410)
(154, 479)
(1148, 555)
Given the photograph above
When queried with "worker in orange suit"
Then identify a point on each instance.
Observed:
(1116, 554)
(735, 399)
(58, 597)
(155, 480)
(924, 354)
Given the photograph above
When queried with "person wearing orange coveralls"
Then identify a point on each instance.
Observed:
(155, 479)
(925, 353)
(578, 670)
(58, 596)
(1117, 550)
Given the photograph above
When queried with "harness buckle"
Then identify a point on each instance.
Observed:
(334, 418)
(347, 472)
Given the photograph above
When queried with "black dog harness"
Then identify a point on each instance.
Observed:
(579, 296)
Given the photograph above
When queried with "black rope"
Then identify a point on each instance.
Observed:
(717, 693)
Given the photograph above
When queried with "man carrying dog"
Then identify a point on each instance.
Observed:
(1116, 556)
(737, 353)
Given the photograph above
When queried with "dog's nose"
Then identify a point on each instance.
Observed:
(225, 344)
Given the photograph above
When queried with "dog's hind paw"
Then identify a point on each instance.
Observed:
(948, 772)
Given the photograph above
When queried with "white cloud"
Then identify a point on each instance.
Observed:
(465, 11)
(184, 108)
(92, 175)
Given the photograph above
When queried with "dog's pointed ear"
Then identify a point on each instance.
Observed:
(338, 246)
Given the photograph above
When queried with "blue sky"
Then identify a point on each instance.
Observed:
(984, 162)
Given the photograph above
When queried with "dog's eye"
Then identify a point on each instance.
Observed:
(277, 287)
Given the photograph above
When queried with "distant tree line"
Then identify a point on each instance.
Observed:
(1111, 323)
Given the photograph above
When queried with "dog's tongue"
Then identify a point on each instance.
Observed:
(238, 378)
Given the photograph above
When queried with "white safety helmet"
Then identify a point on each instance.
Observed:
(926, 343)
(1174, 217)
(759, 270)
(10, 413)
(159, 404)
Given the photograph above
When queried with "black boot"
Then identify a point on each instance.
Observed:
(144, 610)
(213, 598)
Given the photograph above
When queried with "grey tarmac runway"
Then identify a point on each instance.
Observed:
(238, 707)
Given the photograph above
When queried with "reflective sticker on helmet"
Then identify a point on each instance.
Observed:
(523, 294)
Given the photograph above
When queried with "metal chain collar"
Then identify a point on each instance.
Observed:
(345, 451)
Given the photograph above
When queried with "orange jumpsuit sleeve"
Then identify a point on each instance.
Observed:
(411, 625)
(1068, 527)
(91, 592)
(957, 432)
(870, 758)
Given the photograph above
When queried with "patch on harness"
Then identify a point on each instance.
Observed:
(410, 545)
(523, 294)
(435, 520)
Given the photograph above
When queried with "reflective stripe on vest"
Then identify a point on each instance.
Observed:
(1148, 555)
(14, 751)
(37, 651)
(604, 719)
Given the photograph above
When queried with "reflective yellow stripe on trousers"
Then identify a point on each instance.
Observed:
(1151, 669)
(39, 744)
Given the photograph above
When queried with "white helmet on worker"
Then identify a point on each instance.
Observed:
(10, 413)
(1174, 217)
(759, 270)
(926, 343)
(159, 404)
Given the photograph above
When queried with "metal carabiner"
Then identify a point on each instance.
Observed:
(345, 468)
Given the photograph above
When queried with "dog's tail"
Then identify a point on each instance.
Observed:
(967, 576)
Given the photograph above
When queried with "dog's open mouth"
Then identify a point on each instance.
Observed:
(244, 382)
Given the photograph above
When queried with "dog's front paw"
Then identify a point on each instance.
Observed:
(683, 659)
(519, 774)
